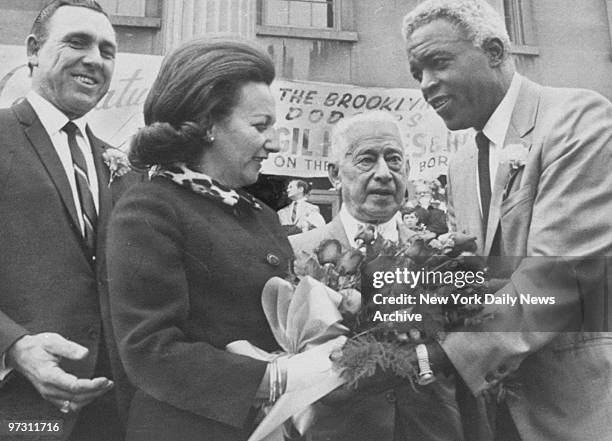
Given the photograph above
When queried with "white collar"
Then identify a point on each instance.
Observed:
(52, 119)
(388, 229)
(497, 126)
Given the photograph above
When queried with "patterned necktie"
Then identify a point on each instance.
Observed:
(294, 212)
(88, 209)
(484, 176)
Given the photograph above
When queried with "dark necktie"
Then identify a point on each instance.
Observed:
(88, 209)
(294, 212)
(484, 176)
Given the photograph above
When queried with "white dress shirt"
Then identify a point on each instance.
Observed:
(53, 120)
(496, 128)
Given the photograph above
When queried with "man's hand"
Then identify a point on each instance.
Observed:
(383, 380)
(377, 383)
(37, 357)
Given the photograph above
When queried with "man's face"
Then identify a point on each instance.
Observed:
(74, 66)
(410, 220)
(457, 79)
(373, 173)
(294, 191)
(424, 195)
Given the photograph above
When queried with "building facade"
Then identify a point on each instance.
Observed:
(556, 42)
(358, 42)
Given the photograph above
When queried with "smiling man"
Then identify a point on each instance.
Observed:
(54, 208)
(538, 164)
(300, 215)
(370, 168)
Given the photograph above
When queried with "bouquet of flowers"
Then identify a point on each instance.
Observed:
(397, 295)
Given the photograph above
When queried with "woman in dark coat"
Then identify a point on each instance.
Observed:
(189, 252)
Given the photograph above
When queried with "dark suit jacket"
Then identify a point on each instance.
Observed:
(186, 276)
(47, 281)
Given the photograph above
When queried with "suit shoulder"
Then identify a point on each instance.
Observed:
(312, 207)
(7, 117)
(308, 241)
(574, 111)
(5, 112)
(567, 101)
(154, 190)
(285, 209)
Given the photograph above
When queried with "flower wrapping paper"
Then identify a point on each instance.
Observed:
(301, 318)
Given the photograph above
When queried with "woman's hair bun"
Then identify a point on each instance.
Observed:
(161, 143)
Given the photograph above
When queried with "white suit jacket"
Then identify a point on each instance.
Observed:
(308, 216)
(558, 204)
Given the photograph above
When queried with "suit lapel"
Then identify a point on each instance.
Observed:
(40, 141)
(466, 197)
(521, 127)
(336, 231)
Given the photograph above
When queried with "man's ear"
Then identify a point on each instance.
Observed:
(333, 175)
(494, 48)
(32, 47)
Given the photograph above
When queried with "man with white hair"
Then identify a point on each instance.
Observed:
(534, 184)
(369, 167)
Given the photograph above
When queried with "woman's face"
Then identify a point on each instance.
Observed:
(243, 140)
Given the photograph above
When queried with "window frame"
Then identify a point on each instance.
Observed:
(608, 6)
(521, 20)
(337, 32)
(263, 12)
(151, 17)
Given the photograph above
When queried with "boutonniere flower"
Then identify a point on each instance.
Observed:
(117, 163)
(515, 155)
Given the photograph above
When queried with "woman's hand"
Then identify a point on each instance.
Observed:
(304, 368)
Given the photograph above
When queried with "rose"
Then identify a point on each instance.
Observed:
(350, 262)
(329, 251)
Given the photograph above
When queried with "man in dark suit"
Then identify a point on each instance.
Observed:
(533, 186)
(370, 168)
(55, 199)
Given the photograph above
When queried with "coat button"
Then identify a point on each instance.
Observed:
(390, 396)
(490, 377)
(92, 334)
(272, 259)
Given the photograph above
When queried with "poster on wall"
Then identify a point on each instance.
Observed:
(306, 113)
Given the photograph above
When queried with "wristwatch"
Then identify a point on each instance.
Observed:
(426, 375)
